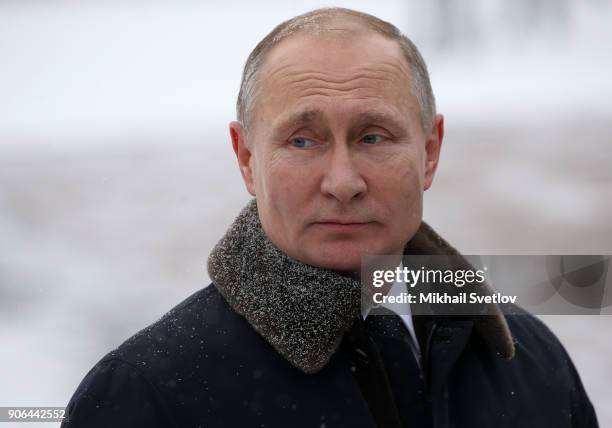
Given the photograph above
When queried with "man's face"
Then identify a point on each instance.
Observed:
(337, 157)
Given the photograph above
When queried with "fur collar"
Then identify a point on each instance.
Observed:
(303, 311)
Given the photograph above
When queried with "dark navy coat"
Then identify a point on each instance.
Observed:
(203, 365)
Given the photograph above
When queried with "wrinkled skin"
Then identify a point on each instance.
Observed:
(336, 137)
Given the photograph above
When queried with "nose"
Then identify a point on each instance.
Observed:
(342, 179)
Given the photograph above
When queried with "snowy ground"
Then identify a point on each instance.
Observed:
(99, 241)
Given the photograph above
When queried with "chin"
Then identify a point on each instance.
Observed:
(338, 259)
(345, 266)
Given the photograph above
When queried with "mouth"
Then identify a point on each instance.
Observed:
(342, 226)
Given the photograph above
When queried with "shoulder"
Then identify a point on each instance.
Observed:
(534, 338)
(115, 393)
(534, 341)
(530, 332)
(202, 324)
(161, 366)
(543, 361)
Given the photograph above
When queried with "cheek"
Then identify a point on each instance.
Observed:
(399, 189)
(411, 176)
(278, 178)
(402, 174)
(286, 186)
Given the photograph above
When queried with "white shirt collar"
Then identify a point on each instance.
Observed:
(400, 309)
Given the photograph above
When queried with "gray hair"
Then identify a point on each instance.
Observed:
(316, 22)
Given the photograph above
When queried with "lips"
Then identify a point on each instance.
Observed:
(341, 221)
(335, 223)
(342, 226)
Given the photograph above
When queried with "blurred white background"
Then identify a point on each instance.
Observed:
(117, 175)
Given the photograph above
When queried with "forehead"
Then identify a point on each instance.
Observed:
(352, 67)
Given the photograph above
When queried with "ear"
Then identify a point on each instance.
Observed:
(433, 145)
(243, 154)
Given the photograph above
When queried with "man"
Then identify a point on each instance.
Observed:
(337, 138)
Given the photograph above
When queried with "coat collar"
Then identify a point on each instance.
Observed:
(303, 311)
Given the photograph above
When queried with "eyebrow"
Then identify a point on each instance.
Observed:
(315, 115)
(302, 117)
(376, 117)
(286, 123)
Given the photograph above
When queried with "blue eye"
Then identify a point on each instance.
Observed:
(373, 139)
(301, 143)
